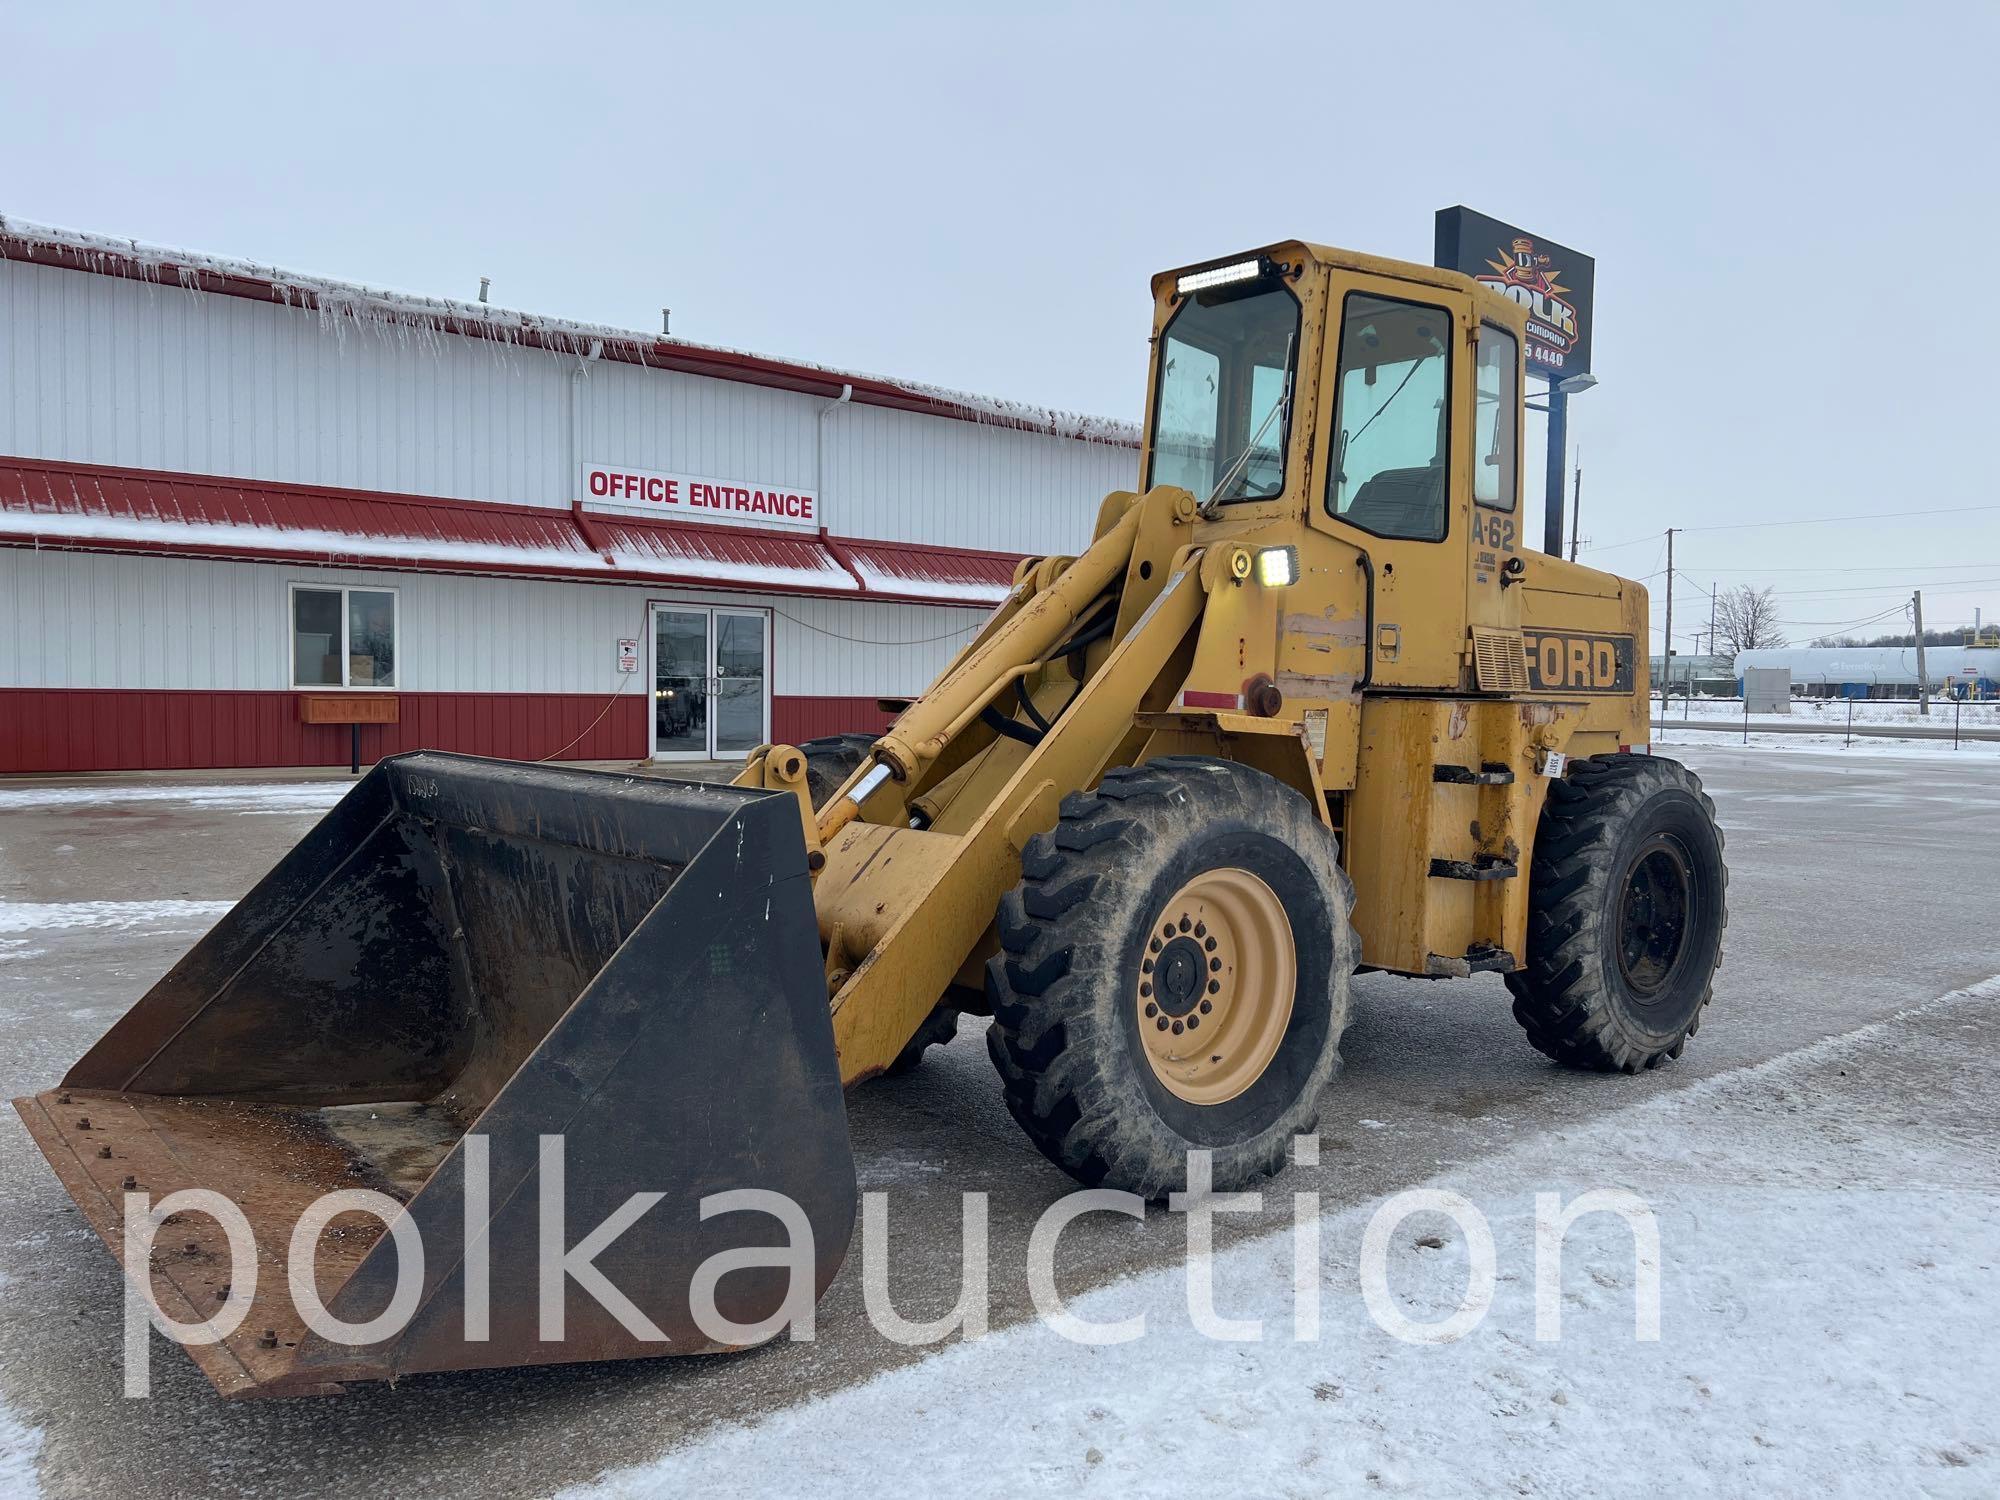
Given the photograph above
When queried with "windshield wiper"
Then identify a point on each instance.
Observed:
(1282, 404)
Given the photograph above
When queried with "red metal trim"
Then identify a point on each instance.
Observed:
(659, 354)
(252, 505)
(53, 731)
(1194, 698)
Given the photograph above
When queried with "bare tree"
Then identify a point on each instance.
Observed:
(1746, 619)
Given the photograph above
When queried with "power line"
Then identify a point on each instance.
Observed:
(1885, 515)
(1879, 588)
(1825, 625)
(1842, 568)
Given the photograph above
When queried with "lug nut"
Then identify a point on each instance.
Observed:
(1193, 1021)
(1145, 989)
(1201, 929)
(1214, 988)
(1209, 945)
(1152, 1010)
(1177, 1028)
(1215, 966)
(1161, 1023)
(1185, 924)
(1206, 1007)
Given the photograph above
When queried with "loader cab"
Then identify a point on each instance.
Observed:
(1380, 404)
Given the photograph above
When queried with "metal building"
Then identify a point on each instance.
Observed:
(242, 510)
(1882, 671)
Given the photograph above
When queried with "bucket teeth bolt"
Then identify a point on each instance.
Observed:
(269, 1339)
(104, 1153)
(83, 1122)
(131, 1183)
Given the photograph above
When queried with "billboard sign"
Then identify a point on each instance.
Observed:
(1553, 282)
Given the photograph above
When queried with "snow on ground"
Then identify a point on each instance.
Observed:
(20, 1457)
(116, 916)
(1831, 715)
(247, 797)
(1833, 712)
(1673, 740)
(1828, 1265)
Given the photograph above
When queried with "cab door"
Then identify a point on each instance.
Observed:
(1396, 386)
(1493, 555)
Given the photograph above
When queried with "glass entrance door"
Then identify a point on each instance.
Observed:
(742, 657)
(680, 682)
(711, 681)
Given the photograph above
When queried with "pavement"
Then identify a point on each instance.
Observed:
(1859, 889)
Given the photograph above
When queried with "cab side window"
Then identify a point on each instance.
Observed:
(1392, 418)
(1496, 466)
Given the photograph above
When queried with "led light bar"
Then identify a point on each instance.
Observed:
(1201, 281)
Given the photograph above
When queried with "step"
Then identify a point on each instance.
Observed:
(1490, 773)
(1479, 867)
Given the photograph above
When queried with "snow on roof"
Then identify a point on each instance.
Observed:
(341, 303)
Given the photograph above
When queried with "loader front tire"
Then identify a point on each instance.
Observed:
(1173, 976)
(1626, 909)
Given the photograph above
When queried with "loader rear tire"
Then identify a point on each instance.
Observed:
(830, 760)
(1626, 910)
(1181, 893)
(939, 1027)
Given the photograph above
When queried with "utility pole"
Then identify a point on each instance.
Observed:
(1576, 510)
(1670, 617)
(1923, 682)
(1711, 618)
(1558, 460)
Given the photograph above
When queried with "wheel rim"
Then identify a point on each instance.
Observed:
(1216, 985)
(1656, 913)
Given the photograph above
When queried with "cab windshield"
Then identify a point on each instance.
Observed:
(1225, 368)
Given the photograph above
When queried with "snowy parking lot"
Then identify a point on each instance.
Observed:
(1820, 1169)
(1854, 727)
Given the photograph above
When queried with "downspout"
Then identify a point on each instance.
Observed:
(591, 534)
(819, 450)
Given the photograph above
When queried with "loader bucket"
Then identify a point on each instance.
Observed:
(491, 992)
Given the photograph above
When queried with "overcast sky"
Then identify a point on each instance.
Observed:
(1795, 212)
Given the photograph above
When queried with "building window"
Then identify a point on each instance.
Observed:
(1392, 418)
(1496, 472)
(343, 637)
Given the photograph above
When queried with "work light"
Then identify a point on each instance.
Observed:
(1278, 567)
(1201, 281)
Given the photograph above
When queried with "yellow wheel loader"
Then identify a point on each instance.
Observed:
(1304, 704)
